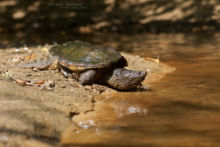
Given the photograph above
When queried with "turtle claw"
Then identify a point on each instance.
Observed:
(143, 87)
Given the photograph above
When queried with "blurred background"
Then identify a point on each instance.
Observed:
(40, 21)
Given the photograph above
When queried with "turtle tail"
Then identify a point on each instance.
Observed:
(48, 62)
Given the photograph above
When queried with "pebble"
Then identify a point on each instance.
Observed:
(51, 84)
(15, 60)
(26, 48)
(35, 69)
(63, 86)
(48, 85)
(17, 50)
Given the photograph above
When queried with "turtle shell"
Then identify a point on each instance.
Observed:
(79, 55)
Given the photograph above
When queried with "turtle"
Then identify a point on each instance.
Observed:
(91, 63)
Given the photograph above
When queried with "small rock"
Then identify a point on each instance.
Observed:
(26, 48)
(143, 88)
(48, 85)
(17, 50)
(35, 69)
(51, 84)
(15, 60)
(63, 86)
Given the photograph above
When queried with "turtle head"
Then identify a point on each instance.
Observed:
(124, 79)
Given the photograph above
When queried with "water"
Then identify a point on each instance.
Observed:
(183, 109)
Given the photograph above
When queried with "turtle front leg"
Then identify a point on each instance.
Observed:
(87, 77)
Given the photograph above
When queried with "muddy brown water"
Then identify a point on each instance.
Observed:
(182, 109)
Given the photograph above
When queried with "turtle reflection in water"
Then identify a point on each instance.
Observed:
(92, 64)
